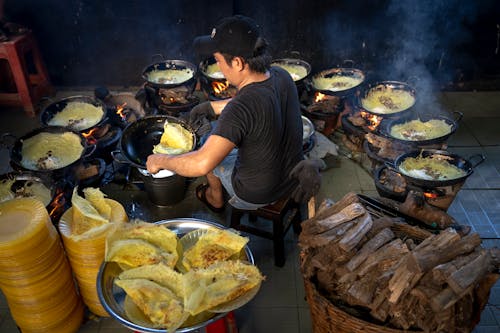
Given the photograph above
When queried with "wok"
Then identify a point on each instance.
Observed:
(329, 73)
(293, 62)
(390, 85)
(24, 180)
(139, 137)
(456, 160)
(16, 155)
(53, 108)
(388, 123)
(170, 65)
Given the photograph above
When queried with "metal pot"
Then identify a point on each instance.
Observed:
(16, 151)
(53, 108)
(389, 86)
(139, 137)
(456, 160)
(170, 65)
(387, 124)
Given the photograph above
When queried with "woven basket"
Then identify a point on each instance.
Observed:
(327, 318)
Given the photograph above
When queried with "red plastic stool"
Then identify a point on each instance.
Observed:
(31, 83)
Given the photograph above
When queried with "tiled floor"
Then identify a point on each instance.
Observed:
(280, 304)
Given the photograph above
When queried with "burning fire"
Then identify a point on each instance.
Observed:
(220, 87)
(319, 97)
(430, 195)
(89, 136)
(374, 120)
(57, 205)
(120, 110)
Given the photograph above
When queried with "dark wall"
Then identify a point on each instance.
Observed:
(93, 42)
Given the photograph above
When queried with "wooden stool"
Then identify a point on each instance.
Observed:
(31, 83)
(283, 214)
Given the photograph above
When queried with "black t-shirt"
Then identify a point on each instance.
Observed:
(263, 120)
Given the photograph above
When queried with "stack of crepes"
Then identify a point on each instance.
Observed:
(35, 275)
(172, 283)
(84, 228)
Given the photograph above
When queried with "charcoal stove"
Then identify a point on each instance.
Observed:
(170, 101)
(324, 110)
(390, 184)
(213, 83)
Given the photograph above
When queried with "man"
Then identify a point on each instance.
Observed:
(262, 121)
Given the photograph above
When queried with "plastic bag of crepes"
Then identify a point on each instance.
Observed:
(172, 282)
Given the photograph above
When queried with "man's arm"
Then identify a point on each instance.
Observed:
(196, 163)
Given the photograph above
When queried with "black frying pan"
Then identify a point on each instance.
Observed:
(170, 65)
(139, 137)
(52, 109)
(16, 155)
(386, 85)
(453, 159)
(387, 124)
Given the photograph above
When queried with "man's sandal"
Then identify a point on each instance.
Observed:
(201, 194)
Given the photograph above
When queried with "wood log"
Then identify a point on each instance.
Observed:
(470, 273)
(346, 200)
(369, 247)
(347, 214)
(354, 235)
(441, 272)
(379, 224)
(416, 207)
(403, 230)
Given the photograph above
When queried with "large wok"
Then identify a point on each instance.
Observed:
(53, 108)
(386, 86)
(139, 137)
(333, 73)
(456, 160)
(16, 155)
(170, 65)
(387, 124)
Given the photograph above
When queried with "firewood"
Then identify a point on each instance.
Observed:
(403, 230)
(348, 213)
(379, 224)
(371, 246)
(415, 206)
(356, 233)
(441, 272)
(470, 273)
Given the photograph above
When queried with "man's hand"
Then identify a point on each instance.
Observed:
(155, 163)
(307, 172)
(200, 116)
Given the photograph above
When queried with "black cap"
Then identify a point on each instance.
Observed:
(234, 35)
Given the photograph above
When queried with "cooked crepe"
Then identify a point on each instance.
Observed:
(49, 151)
(159, 304)
(435, 167)
(174, 140)
(158, 273)
(214, 72)
(98, 200)
(170, 76)
(214, 245)
(386, 100)
(417, 130)
(78, 116)
(85, 215)
(129, 253)
(336, 82)
(30, 188)
(297, 72)
(156, 243)
(218, 284)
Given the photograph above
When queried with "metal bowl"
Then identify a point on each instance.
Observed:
(112, 297)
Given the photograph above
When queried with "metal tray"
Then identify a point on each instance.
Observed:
(113, 297)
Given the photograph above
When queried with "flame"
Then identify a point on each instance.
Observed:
(89, 136)
(57, 205)
(171, 100)
(374, 120)
(430, 195)
(220, 87)
(120, 110)
(319, 97)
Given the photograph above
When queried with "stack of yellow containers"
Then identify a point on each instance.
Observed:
(86, 251)
(35, 275)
